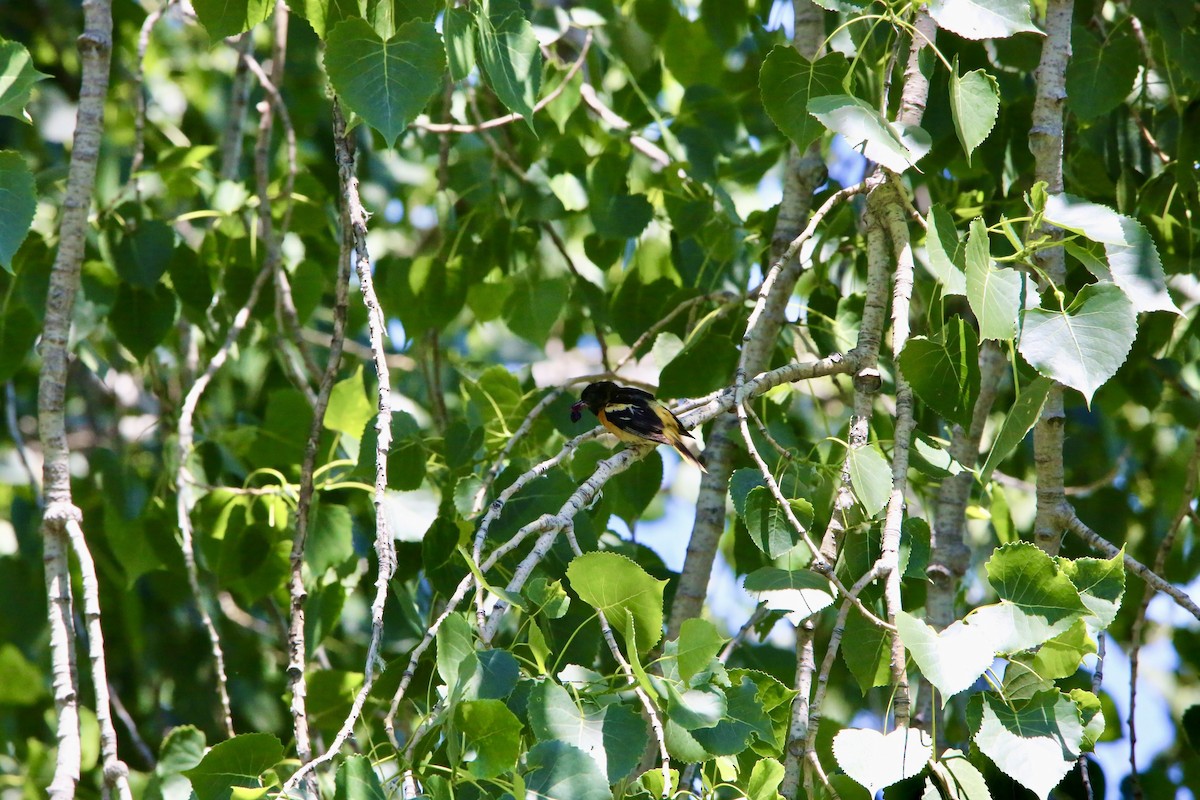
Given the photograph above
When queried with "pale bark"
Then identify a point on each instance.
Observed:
(95, 49)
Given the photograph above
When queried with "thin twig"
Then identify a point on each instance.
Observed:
(384, 549)
(297, 647)
(183, 487)
(818, 564)
(14, 433)
(1137, 632)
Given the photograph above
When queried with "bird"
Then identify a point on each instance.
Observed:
(634, 416)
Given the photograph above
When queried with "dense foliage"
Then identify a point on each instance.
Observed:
(921, 276)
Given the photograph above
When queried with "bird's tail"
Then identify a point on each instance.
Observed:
(688, 455)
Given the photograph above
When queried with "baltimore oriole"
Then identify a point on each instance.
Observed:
(634, 416)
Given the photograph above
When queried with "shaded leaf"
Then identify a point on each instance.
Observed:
(387, 83)
(18, 198)
(788, 80)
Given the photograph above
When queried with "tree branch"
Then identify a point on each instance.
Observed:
(95, 50)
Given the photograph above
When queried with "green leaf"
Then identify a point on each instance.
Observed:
(18, 200)
(356, 780)
(182, 748)
(495, 678)
(946, 252)
(459, 32)
(387, 83)
(1101, 584)
(944, 371)
(1036, 744)
(632, 491)
(1091, 712)
(769, 528)
(386, 16)
(236, 762)
(511, 59)
(330, 536)
(745, 719)
(617, 586)
(788, 80)
(222, 18)
(1083, 346)
(349, 410)
(875, 760)
(21, 682)
(977, 19)
(953, 659)
(699, 643)
(1130, 252)
(866, 130)
(143, 256)
(871, 478)
(614, 736)
(764, 780)
(615, 213)
(974, 104)
(696, 709)
(741, 483)
(959, 777)
(534, 306)
(994, 294)
(17, 77)
(19, 330)
(457, 659)
(141, 318)
(1038, 600)
(492, 737)
(1100, 75)
(1021, 418)
(254, 558)
(561, 771)
(798, 592)
(1061, 656)
(324, 15)
(1023, 574)
(865, 649)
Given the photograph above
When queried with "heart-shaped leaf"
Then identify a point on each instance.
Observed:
(1084, 345)
(951, 660)
(223, 18)
(387, 83)
(875, 760)
(787, 80)
(1036, 743)
(944, 372)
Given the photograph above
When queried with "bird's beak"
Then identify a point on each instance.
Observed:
(577, 411)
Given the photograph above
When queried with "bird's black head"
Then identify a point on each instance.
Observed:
(593, 398)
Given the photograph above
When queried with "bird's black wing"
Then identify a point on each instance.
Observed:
(628, 394)
(638, 418)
